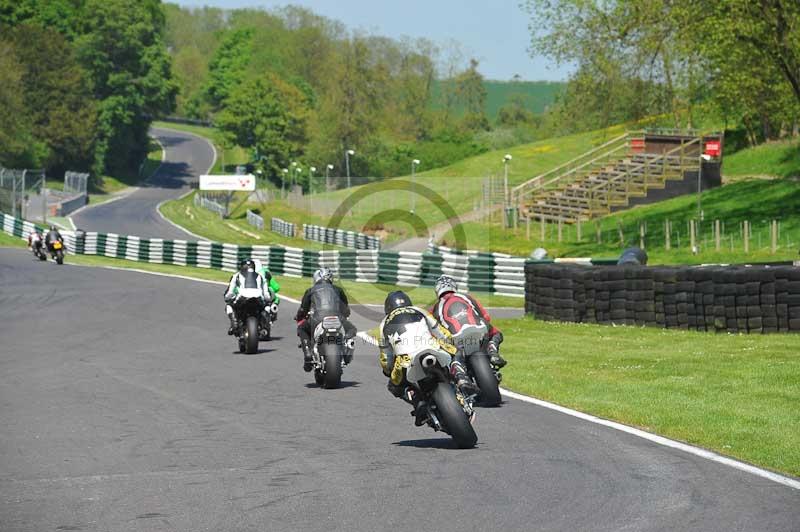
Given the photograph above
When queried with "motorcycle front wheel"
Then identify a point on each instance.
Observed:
(251, 335)
(453, 418)
(333, 365)
(486, 379)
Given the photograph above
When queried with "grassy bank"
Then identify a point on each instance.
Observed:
(771, 159)
(755, 201)
(735, 394)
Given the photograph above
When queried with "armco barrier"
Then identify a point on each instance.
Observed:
(497, 275)
(255, 220)
(735, 299)
(348, 239)
(282, 228)
(210, 205)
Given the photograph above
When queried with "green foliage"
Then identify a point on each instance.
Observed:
(270, 115)
(228, 66)
(18, 146)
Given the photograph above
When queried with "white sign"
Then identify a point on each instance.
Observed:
(245, 182)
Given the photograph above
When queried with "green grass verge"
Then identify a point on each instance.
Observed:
(735, 394)
(757, 201)
(9, 241)
(230, 155)
(771, 159)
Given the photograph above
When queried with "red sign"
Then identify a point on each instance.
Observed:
(637, 145)
(713, 148)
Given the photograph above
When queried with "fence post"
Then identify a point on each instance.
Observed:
(542, 229)
(560, 228)
(774, 246)
(579, 230)
(598, 232)
(667, 235)
(528, 228)
(692, 236)
(716, 235)
(641, 235)
(621, 234)
(746, 235)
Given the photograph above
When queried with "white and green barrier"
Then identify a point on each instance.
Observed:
(282, 227)
(500, 275)
(338, 237)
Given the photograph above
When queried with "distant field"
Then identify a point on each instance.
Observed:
(536, 94)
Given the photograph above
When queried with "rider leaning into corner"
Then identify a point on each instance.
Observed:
(406, 325)
(460, 312)
(323, 299)
(246, 277)
(35, 238)
(52, 237)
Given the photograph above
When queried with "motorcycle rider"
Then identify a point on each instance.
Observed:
(322, 299)
(458, 311)
(246, 277)
(402, 323)
(52, 237)
(35, 240)
(272, 286)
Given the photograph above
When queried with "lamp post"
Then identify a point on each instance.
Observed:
(414, 165)
(311, 170)
(347, 155)
(297, 171)
(283, 181)
(506, 159)
(328, 169)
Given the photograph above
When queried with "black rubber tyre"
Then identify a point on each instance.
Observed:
(42, 256)
(333, 365)
(486, 380)
(251, 335)
(319, 378)
(453, 418)
(60, 257)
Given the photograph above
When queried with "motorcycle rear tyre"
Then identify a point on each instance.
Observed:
(453, 418)
(60, 257)
(486, 380)
(251, 335)
(41, 255)
(333, 365)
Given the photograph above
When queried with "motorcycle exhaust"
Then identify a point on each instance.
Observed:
(428, 361)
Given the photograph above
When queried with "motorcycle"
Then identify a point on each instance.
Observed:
(265, 323)
(444, 407)
(56, 250)
(250, 327)
(479, 368)
(38, 250)
(328, 355)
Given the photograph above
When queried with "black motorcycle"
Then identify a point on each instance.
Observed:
(328, 355)
(38, 250)
(485, 376)
(56, 250)
(248, 308)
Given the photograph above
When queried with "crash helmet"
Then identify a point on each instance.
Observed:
(257, 265)
(445, 284)
(396, 300)
(323, 274)
(247, 264)
(53, 228)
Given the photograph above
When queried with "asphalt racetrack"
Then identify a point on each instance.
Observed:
(125, 406)
(186, 158)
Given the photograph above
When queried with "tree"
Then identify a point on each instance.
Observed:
(228, 67)
(18, 147)
(270, 115)
(471, 94)
(515, 112)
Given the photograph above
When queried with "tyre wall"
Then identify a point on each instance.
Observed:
(736, 299)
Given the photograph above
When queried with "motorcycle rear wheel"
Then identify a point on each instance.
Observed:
(333, 365)
(60, 257)
(486, 379)
(251, 335)
(453, 418)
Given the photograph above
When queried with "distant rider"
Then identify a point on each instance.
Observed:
(465, 318)
(272, 286)
(323, 299)
(52, 237)
(35, 240)
(404, 326)
(246, 277)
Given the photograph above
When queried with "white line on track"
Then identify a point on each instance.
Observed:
(654, 438)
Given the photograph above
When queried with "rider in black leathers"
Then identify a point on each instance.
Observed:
(323, 299)
(53, 236)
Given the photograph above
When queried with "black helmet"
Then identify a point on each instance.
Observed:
(247, 264)
(396, 300)
(53, 228)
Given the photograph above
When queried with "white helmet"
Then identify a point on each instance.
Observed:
(258, 264)
(323, 274)
(445, 284)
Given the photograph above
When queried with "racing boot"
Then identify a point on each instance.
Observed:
(308, 357)
(232, 328)
(463, 382)
(349, 349)
(494, 356)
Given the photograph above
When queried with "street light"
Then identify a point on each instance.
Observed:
(414, 164)
(328, 177)
(703, 157)
(283, 180)
(347, 155)
(311, 171)
(506, 159)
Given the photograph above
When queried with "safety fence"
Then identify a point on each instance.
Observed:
(433, 248)
(255, 220)
(734, 299)
(282, 227)
(339, 237)
(210, 205)
(483, 274)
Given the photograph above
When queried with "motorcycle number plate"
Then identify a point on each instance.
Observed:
(331, 323)
(57, 245)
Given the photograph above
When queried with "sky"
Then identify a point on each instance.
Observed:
(493, 31)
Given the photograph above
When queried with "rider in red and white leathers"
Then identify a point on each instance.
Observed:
(467, 320)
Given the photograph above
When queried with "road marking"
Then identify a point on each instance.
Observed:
(660, 440)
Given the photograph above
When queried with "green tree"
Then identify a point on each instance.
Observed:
(228, 67)
(270, 115)
(471, 94)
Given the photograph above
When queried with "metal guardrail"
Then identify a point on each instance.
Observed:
(210, 205)
(348, 239)
(282, 227)
(255, 220)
